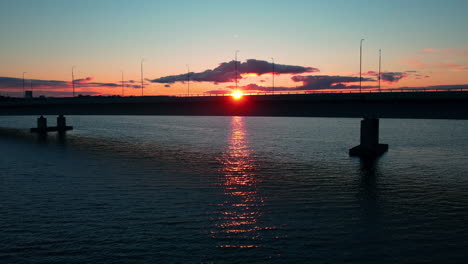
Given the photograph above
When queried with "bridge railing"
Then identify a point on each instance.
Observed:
(348, 91)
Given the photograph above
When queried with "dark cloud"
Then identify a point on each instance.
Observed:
(322, 82)
(84, 80)
(390, 77)
(257, 88)
(17, 83)
(254, 87)
(421, 76)
(96, 84)
(62, 93)
(261, 67)
(436, 87)
(218, 92)
(225, 72)
(310, 83)
(50, 93)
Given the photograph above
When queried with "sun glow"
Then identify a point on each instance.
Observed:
(237, 94)
(243, 75)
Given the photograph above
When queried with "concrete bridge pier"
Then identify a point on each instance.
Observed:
(369, 146)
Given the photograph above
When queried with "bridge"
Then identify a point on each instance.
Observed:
(369, 106)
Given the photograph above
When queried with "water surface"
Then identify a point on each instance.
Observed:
(143, 189)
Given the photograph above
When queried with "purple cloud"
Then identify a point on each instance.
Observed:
(257, 88)
(310, 83)
(17, 83)
(10, 83)
(218, 92)
(390, 77)
(225, 72)
(322, 82)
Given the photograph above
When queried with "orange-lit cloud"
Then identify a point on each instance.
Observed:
(459, 52)
(244, 75)
(428, 50)
(414, 61)
(452, 59)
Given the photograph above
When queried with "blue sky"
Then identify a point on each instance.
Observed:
(45, 38)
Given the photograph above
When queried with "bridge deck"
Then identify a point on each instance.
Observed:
(440, 105)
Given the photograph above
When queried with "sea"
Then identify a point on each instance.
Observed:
(187, 189)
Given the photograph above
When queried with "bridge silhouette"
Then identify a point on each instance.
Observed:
(369, 106)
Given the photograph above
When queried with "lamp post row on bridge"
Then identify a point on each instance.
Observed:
(236, 74)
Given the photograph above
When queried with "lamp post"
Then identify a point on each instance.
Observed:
(273, 75)
(23, 81)
(73, 81)
(188, 80)
(380, 63)
(235, 65)
(142, 85)
(122, 82)
(360, 67)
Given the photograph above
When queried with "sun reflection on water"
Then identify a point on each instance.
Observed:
(237, 224)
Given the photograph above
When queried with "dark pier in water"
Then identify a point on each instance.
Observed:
(370, 146)
(42, 127)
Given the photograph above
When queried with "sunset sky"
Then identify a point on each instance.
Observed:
(315, 45)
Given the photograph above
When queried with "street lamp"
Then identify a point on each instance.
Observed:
(235, 63)
(122, 82)
(73, 81)
(23, 81)
(273, 75)
(188, 80)
(360, 67)
(142, 85)
(380, 64)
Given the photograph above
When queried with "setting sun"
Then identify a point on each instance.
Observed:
(237, 95)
